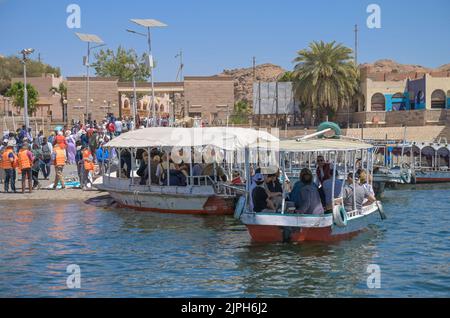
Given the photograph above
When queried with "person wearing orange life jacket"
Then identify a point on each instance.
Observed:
(59, 161)
(88, 161)
(60, 140)
(9, 163)
(25, 161)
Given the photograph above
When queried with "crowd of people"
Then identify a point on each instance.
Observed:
(30, 156)
(311, 194)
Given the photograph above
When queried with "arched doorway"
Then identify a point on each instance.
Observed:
(378, 103)
(438, 99)
(398, 102)
(427, 157)
(443, 158)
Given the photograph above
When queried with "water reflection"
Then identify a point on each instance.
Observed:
(124, 253)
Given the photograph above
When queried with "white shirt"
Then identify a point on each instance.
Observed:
(118, 125)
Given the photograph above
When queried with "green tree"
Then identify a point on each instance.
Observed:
(286, 77)
(16, 93)
(116, 64)
(240, 113)
(326, 77)
(12, 66)
(62, 91)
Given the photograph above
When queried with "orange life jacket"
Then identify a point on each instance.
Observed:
(6, 163)
(60, 160)
(24, 161)
(61, 141)
(88, 164)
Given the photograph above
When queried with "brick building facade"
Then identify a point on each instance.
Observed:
(211, 98)
(103, 95)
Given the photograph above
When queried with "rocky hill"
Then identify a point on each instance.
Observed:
(243, 79)
(390, 66)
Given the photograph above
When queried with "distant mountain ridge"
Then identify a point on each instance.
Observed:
(243, 77)
(391, 66)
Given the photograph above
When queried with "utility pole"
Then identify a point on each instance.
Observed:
(254, 69)
(180, 69)
(356, 44)
(259, 100)
(276, 103)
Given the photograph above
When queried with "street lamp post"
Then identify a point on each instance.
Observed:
(89, 38)
(133, 68)
(25, 53)
(149, 23)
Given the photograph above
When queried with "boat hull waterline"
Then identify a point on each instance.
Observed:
(273, 228)
(166, 203)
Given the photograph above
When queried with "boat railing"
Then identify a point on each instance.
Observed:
(199, 180)
(228, 190)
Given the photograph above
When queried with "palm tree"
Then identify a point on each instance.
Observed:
(325, 77)
(62, 91)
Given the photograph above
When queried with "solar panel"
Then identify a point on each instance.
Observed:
(148, 23)
(89, 38)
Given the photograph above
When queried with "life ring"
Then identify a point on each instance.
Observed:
(330, 125)
(340, 216)
(406, 177)
(240, 205)
(381, 210)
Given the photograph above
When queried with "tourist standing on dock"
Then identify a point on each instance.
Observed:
(47, 150)
(60, 140)
(59, 160)
(88, 161)
(9, 164)
(118, 125)
(79, 162)
(25, 161)
(2, 149)
(71, 148)
(102, 155)
(38, 160)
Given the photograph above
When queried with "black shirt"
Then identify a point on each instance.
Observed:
(275, 187)
(259, 199)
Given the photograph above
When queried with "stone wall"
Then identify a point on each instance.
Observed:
(212, 98)
(103, 94)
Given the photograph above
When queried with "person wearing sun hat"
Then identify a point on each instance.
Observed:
(260, 197)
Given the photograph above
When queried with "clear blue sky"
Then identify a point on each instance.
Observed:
(217, 35)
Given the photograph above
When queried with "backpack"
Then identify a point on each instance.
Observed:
(46, 153)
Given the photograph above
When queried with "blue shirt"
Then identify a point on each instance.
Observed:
(294, 196)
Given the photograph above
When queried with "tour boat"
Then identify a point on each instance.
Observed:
(286, 225)
(431, 161)
(202, 195)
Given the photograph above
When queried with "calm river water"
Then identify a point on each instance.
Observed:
(122, 253)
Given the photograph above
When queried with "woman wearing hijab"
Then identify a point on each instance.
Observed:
(71, 148)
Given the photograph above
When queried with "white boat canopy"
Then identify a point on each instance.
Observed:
(230, 138)
(320, 145)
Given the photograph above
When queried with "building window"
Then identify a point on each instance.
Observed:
(378, 103)
(438, 99)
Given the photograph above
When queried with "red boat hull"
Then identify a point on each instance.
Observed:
(270, 233)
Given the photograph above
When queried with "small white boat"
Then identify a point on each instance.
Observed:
(203, 195)
(286, 225)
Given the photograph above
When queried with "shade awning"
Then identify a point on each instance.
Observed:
(231, 138)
